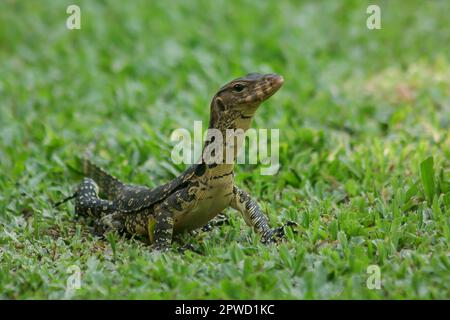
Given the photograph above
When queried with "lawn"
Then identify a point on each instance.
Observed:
(364, 118)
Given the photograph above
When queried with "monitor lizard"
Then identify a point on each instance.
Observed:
(198, 194)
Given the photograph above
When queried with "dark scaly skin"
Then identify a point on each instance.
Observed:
(195, 197)
(252, 213)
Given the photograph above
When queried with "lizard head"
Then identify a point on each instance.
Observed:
(235, 104)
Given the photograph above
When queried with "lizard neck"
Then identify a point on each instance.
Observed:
(223, 144)
(218, 170)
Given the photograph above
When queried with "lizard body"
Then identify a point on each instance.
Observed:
(195, 197)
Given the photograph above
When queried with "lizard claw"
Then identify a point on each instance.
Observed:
(291, 224)
(160, 248)
(186, 247)
(276, 235)
(207, 228)
(219, 220)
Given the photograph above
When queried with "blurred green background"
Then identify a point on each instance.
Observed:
(360, 115)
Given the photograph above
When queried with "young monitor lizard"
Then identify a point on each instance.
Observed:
(195, 197)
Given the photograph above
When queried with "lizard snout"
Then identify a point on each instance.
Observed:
(275, 80)
(270, 84)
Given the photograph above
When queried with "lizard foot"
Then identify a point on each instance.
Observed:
(160, 248)
(276, 235)
(219, 220)
(113, 222)
(186, 247)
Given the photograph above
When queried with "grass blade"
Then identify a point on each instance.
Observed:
(427, 177)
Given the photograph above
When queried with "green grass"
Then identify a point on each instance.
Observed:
(364, 120)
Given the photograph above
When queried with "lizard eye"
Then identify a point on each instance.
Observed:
(238, 87)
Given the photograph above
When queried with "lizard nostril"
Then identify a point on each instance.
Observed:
(275, 79)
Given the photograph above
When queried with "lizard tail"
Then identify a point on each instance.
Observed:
(108, 184)
(57, 204)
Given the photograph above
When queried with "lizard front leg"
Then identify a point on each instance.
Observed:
(160, 228)
(252, 214)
